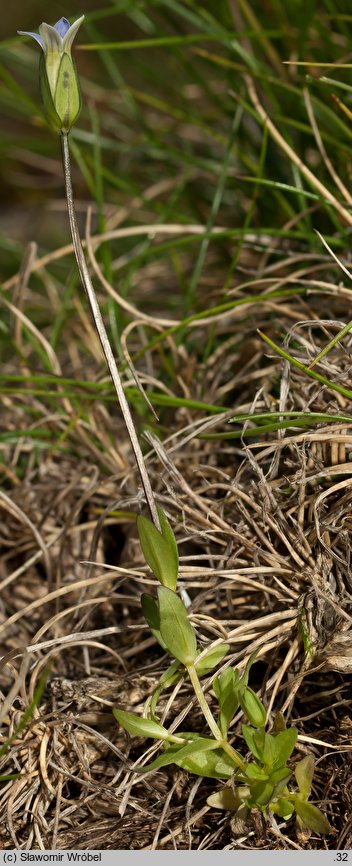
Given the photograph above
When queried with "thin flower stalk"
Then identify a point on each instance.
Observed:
(102, 334)
(61, 97)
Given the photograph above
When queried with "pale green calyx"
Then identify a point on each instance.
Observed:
(58, 77)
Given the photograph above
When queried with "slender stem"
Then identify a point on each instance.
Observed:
(235, 757)
(202, 702)
(101, 331)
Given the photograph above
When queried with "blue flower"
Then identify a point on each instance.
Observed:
(58, 77)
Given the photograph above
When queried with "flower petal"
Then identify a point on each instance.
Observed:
(62, 27)
(70, 35)
(51, 38)
(35, 36)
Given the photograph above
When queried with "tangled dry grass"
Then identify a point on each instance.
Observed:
(263, 525)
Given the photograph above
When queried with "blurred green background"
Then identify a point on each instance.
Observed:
(177, 112)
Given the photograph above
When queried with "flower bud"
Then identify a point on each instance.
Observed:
(59, 82)
(253, 708)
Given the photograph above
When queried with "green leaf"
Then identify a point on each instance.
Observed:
(211, 659)
(261, 794)
(312, 817)
(279, 724)
(284, 744)
(252, 707)
(304, 772)
(162, 760)
(228, 799)
(167, 678)
(171, 676)
(138, 727)
(280, 774)
(210, 765)
(253, 772)
(279, 779)
(160, 549)
(9, 777)
(176, 631)
(203, 758)
(150, 610)
(200, 756)
(225, 684)
(283, 808)
(226, 690)
(269, 752)
(255, 741)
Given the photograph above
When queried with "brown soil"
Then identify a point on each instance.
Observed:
(263, 525)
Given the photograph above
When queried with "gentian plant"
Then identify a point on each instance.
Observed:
(260, 781)
(61, 101)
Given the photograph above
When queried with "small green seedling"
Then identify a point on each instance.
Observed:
(262, 781)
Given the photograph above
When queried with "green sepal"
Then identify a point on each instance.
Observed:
(61, 108)
(139, 727)
(175, 629)
(67, 100)
(159, 548)
(51, 114)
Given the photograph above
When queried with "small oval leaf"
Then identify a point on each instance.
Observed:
(176, 631)
(284, 744)
(199, 756)
(226, 690)
(211, 659)
(254, 743)
(312, 817)
(225, 799)
(304, 772)
(160, 549)
(203, 758)
(138, 727)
